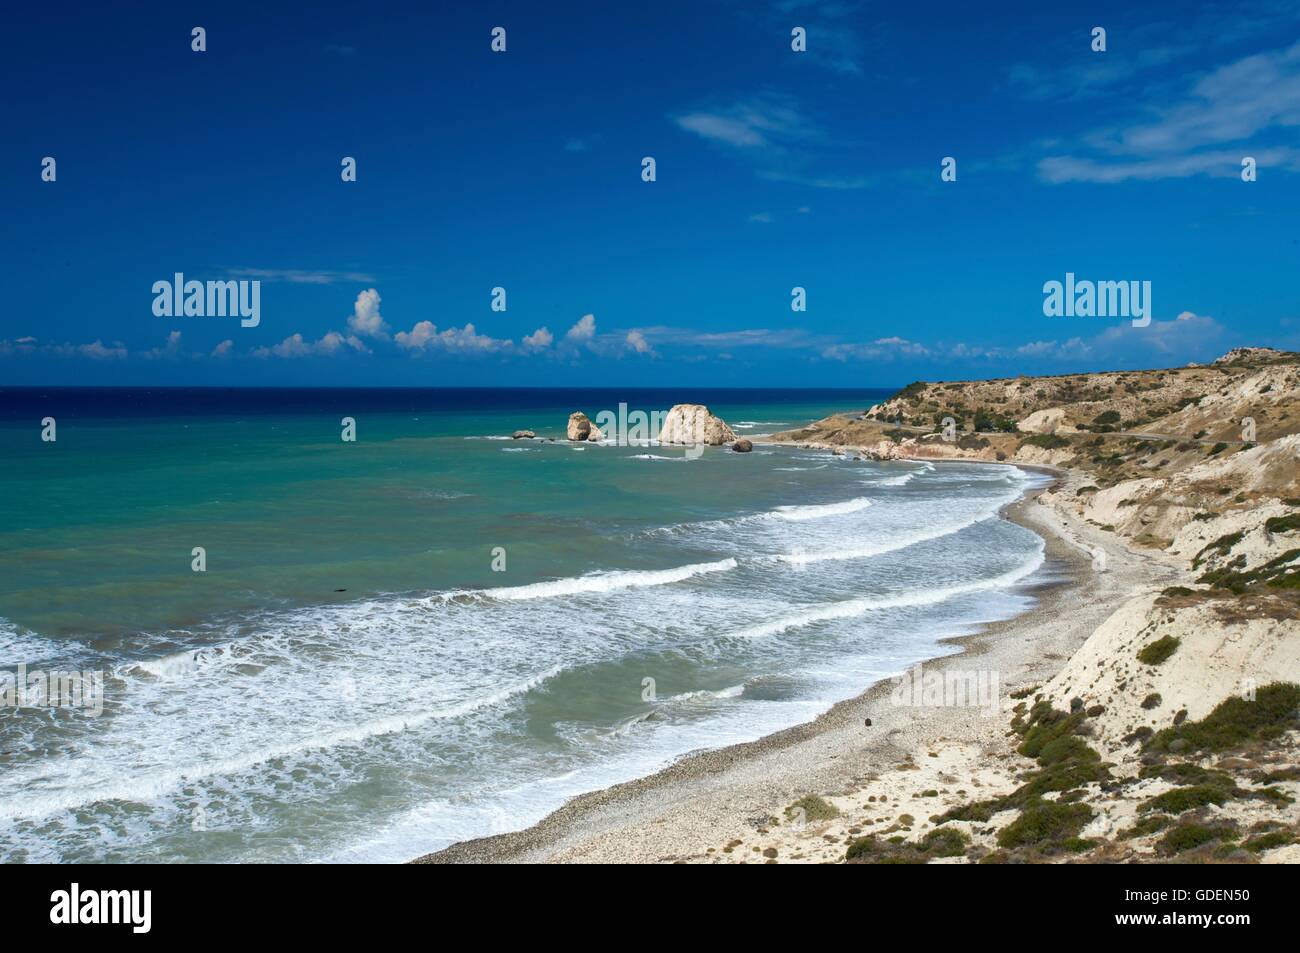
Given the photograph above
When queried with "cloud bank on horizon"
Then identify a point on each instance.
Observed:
(841, 195)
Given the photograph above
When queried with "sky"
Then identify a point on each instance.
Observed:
(775, 169)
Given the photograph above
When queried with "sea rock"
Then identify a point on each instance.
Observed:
(694, 424)
(522, 435)
(580, 428)
(743, 446)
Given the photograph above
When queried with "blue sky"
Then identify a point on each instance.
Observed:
(522, 169)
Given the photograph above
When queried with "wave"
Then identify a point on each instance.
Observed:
(21, 645)
(901, 479)
(852, 608)
(794, 513)
(685, 699)
(148, 787)
(867, 550)
(814, 511)
(704, 694)
(171, 666)
(601, 582)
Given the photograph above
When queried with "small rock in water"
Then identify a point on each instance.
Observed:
(522, 435)
(742, 445)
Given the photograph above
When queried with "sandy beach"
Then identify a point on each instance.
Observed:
(874, 760)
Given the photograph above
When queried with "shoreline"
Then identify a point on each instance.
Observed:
(688, 810)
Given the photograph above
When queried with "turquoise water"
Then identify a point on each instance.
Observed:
(351, 678)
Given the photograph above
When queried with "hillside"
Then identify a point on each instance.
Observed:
(1173, 732)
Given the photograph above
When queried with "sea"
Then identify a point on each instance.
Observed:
(315, 649)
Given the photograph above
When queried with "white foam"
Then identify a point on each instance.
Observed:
(605, 581)
(818, 511)
(19, 645)
(851, 608)
(868, 550)
(150, 786)
(170, 666)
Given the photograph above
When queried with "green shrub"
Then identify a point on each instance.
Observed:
(813, 807)
(1158, 651)
(1066, 748)
(1283, 524)
(911, 392)
(1236, 721)
(1185, 799)
(1220, 546)
(1048, 441)
(862, 847)
(1188, 835)
(1269, 841)
(945, 842)
(1150, 824)
(1045, 824)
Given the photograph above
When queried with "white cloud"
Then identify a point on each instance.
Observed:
(1231, 103)
(887, 348)
(223, 349)
(636, 341)
(1230, 112)
(1220, 163)
(425, 336)
(365, 319)
(747, 337)
(297, 276)
(754, 123)
(1187, 337)
(97, 350)
(538, 340)
(583, 331)
(170, 350)
(295, 345)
